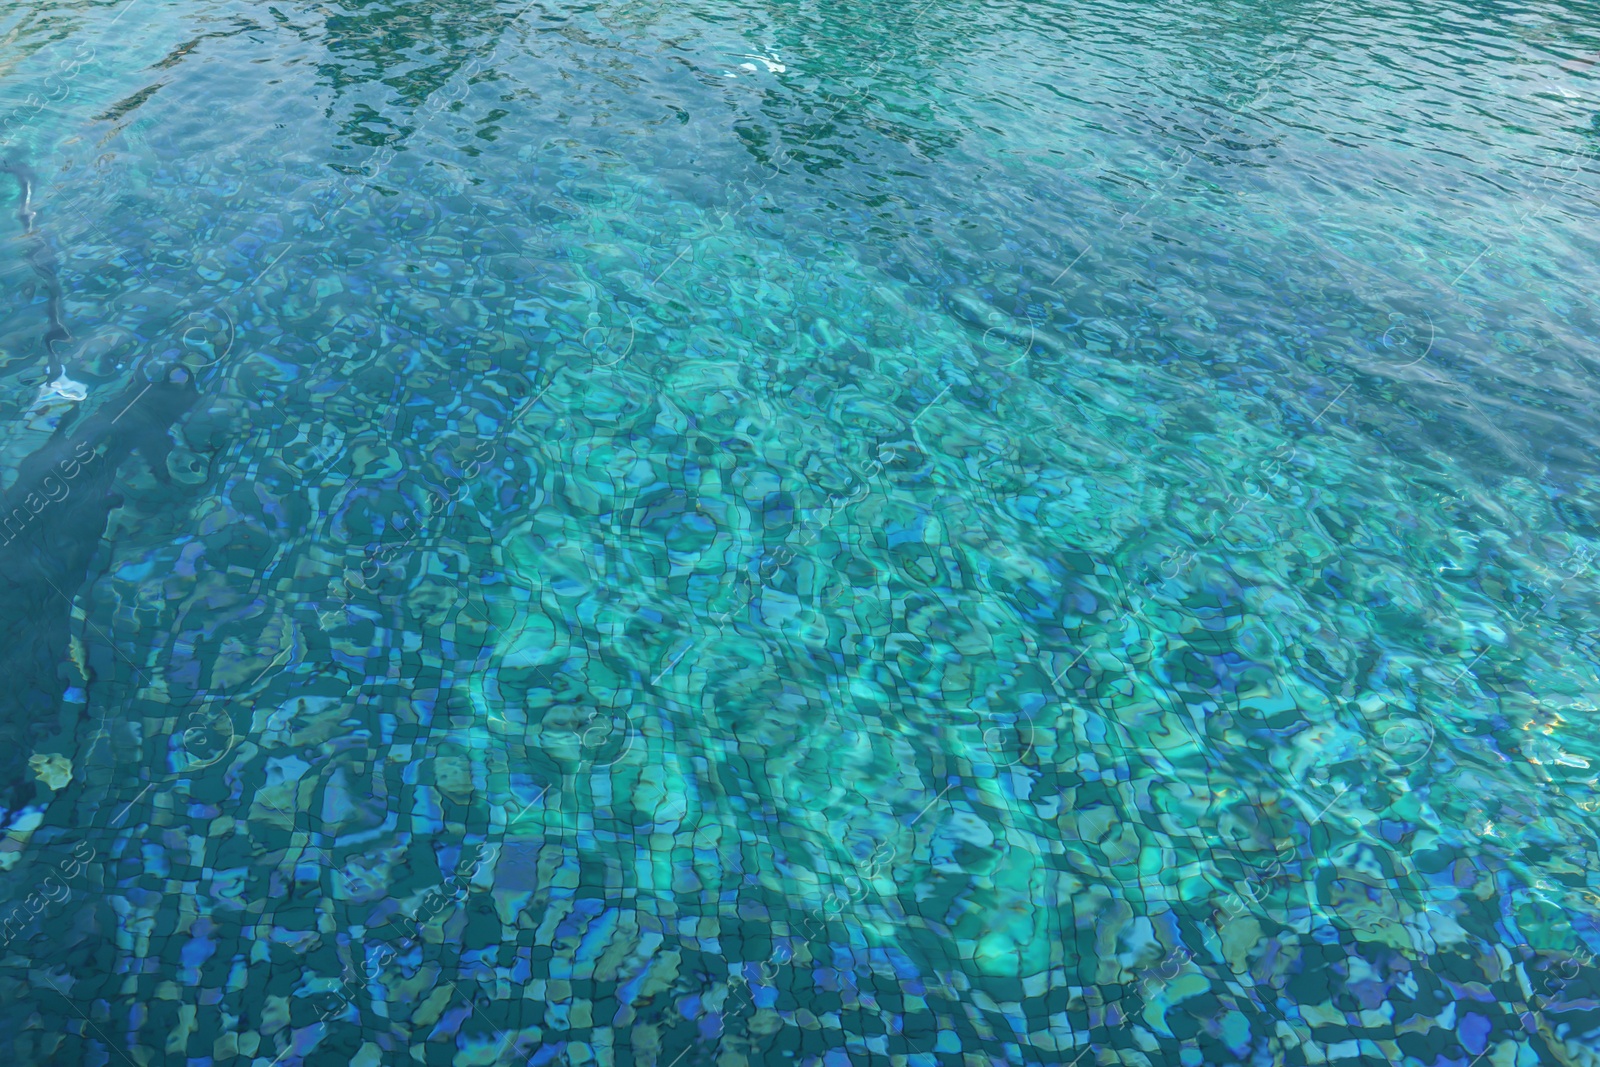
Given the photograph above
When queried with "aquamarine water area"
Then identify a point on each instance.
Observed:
(937, 534)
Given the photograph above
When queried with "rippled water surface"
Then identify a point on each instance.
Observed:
(793, 533)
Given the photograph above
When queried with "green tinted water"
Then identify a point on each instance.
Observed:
(1033, 534)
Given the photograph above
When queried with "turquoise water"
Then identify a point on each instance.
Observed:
(1035, 533)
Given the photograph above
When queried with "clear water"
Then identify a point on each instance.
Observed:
(1031, 533)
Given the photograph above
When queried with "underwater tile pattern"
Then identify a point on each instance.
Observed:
(1027, 534)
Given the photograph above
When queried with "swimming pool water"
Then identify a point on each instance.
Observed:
(744, 534)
